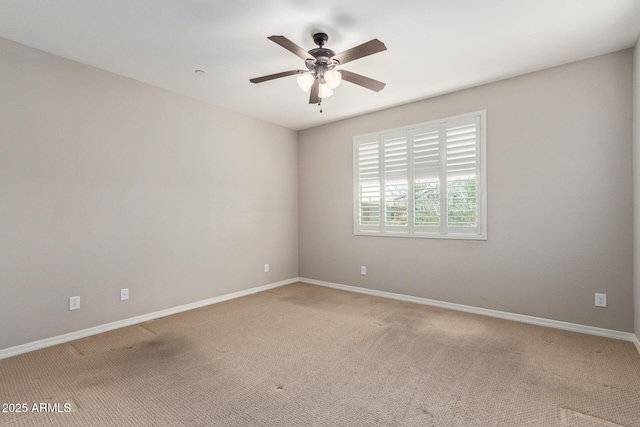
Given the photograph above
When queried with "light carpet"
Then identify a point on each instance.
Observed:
(303, 355)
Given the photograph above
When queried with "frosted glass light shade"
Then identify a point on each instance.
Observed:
(333, 78)
(325, 91)
(305, 81)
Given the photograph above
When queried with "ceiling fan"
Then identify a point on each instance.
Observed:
(321, 75)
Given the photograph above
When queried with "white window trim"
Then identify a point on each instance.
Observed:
(438, 232)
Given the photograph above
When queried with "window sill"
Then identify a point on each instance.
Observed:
(422, 235)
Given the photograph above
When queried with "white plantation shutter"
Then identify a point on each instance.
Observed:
(426, 177)
(427, 180)
(396, 180)
(462, 138)
(369, 174)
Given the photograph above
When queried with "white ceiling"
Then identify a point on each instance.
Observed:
(434, 46)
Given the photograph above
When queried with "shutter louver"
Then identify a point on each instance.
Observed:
(426, 153)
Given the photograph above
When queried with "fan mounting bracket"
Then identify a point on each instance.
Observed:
(320, 39)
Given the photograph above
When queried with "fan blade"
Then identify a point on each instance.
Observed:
(363, 81)
(275, 76)
(315, 90)
(291, 47)
(365, 49)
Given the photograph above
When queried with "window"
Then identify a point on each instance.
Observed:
(428, 180)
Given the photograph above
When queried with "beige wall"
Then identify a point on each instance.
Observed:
(108, 183)
(636, 185)
(559, 200)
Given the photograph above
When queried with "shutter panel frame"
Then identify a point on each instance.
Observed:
(431, 154)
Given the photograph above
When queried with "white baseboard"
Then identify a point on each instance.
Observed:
(48, 342)
(60, 339)
(540, 321)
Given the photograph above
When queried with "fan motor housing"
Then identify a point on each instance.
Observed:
(322, 55)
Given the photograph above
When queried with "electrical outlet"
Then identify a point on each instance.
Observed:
(266, 268)
(124, 294)
(363, 270)
(601, 300)
(74, 303)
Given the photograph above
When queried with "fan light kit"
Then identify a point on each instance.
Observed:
(321, 76)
